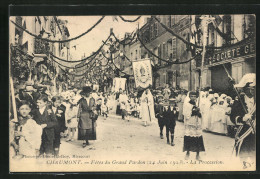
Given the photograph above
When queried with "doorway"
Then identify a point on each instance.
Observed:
(220, 80)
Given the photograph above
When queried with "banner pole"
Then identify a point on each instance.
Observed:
(13, 100)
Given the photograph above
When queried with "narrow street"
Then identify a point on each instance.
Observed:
(117, 137)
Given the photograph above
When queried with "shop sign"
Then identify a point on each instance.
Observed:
(232, 53)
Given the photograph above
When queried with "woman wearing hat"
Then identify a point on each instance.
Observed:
(87, 124)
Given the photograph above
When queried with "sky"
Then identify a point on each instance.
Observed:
(93, 40)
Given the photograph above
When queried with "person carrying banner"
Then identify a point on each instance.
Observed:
(243, 116)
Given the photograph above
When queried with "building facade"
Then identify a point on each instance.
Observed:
(225, 31)
(234, 59)
(168, 47)
(37, 50)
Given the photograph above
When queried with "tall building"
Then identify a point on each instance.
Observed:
(35, 49)
(168, 47)
(225, 31)
(238, 59)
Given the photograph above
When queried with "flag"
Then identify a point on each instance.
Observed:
(143, 73)
(119, 83)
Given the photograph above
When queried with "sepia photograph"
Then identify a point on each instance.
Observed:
(132, 93)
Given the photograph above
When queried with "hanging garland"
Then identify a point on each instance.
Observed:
(59, 41)
(86, 58)
(167, 61)
(93, 57)
(195, 45)
(126, 20)
(167, 65)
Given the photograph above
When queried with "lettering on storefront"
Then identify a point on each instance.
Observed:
(243, 50)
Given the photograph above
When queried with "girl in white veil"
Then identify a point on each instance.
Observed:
(186, 101)
(147, 106)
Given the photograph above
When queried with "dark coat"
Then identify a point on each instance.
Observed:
(48, 117)
(248, 145)
(60, 127)
(85, 110)
(170, 116)
(158, 109)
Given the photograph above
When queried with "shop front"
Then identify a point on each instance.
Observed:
(235, 61)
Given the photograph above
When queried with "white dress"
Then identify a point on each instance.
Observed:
(219, 120)
(206, 114)
(71, 117)
(31, 138)
(192, 124)
(147, 101)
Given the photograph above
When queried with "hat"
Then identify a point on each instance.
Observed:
(192, 93)
(29, 89)
(249, 78)
(159, 96)
(172, 100)
(85, 90)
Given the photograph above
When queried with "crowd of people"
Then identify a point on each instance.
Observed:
(44, 117)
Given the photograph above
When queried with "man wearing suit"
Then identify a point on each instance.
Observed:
(45, 117)
(170, 115)
(59, 111)
(158, 108)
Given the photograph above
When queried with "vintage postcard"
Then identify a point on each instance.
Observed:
(139, 93)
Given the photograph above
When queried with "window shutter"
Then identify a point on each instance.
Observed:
(156, 29)
(174, 51)
(160, 53)
(172, 20)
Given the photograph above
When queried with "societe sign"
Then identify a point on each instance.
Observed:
(233, 53)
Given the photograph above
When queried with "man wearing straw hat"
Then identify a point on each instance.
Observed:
(243, 115)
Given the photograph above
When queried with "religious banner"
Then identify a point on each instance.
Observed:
(142, 73)
(119, 83)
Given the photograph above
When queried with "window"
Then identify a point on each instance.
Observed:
(174, 46)
(164, 50)
(168, 21)
(172, 20)
(151, 32)
(160, 53)
(169, 47)
(211, 35)
(155, 50)
(227, 29)
(156, 29)
(164, 20)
